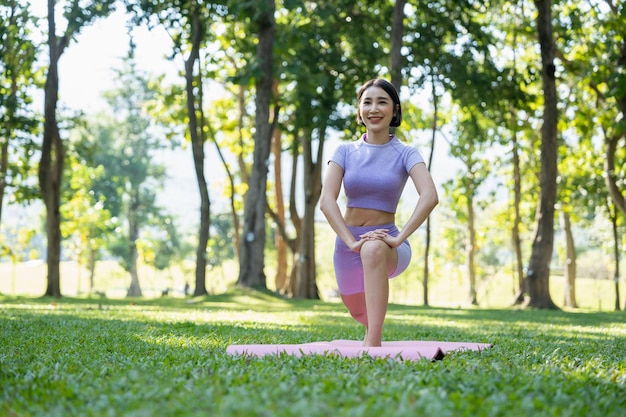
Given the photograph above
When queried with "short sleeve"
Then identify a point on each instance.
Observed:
(339, 156)
(412, 158)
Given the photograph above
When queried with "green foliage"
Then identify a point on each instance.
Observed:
(85, 219)
(480, 59)
(122, 147)
(19, 122)
(80, 13)
(167, 358)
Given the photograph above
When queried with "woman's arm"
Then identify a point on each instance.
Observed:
(328, 204)
(427, 201)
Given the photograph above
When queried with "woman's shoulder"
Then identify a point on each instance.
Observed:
(402, 144)
(350, 145)
(408, 151)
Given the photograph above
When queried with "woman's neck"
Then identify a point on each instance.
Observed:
(378, 138)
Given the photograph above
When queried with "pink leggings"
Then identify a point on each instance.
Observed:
(348, 265)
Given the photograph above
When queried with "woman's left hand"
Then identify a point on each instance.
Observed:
(381, 234)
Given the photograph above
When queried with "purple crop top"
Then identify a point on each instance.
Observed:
(374, 176)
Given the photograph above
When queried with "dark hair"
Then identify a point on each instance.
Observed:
(389, 89)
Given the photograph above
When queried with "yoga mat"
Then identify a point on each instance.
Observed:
(400, 350)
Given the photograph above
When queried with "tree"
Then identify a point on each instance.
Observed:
(193, 88)
(189, 23)
(125, 145)
(469, 147)
(85, 220)
(18, 123)
(78, 14)
(396, 61)
(538, 274)
(252, 255)
(450, 57)
(322, 64)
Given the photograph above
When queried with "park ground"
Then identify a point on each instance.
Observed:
(80, 356)
(447, 288)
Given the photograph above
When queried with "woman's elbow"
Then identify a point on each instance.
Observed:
(325, 204)
(433, 200)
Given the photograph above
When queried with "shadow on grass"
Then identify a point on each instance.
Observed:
(166, 357)
(272, 314)
(267, 317)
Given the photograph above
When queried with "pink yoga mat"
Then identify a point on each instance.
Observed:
(401, 350)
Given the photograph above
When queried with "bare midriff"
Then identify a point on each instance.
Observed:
(355, 216)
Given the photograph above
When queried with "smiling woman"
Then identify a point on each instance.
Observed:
(369, 248)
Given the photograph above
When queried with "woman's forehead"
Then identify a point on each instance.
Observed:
(374, 92)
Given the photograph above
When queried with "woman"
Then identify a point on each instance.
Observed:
(370, 249)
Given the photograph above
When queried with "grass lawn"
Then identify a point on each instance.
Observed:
(166, 357)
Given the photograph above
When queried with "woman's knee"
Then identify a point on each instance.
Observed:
(356, 306)
(360, 316)
(374, 252)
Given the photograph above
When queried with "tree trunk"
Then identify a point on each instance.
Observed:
(306, 286)
(10, 116)
(618, 195)
(50, 169)
(4, 162)
(430, 167)
(538, 274)
(296, 221)
(616, 253)
(252, 262)
(397, 30)
(92, 269)
(197, 135)
(521, 291)
(515, 235)
(570, 262)
(134, 290)
(470, 250)
(280, 280)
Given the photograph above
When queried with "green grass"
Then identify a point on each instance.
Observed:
(166, 357)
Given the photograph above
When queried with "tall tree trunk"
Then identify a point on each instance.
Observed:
(134, 290)
(4, 148)
(296, 221)
(197, 135)
(252, 262)
(521, 290)
(515, 235)
(613, 215)
(280, 280)
(570, 262)
(470, 250)
(397, 30)
(4, 163)
(618, 195)
(538, 274)
(430, 167)
(306, 286)
(50, 170)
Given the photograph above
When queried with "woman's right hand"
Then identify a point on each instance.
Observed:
(356, 246)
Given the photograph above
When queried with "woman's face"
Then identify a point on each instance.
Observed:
(376, 109)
